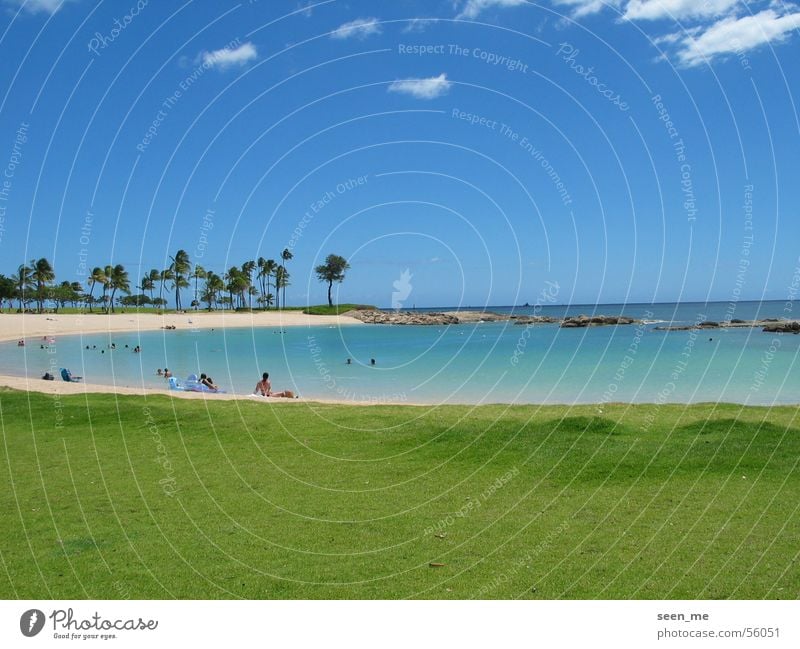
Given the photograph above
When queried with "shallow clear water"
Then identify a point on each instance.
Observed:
(491, 362)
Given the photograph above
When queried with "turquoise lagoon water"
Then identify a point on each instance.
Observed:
(481, 363)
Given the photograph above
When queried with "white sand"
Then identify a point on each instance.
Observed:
(14, 326)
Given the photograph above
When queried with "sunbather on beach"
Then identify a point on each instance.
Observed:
(208, 382)
(264, 388)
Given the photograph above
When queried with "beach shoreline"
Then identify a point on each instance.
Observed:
(16, 326)
(59, 388)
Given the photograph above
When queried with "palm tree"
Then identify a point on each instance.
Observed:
(281, 281)
(147, 285)
(286, 255)
(118, 280)
(247, 272)
(268, 271)
(23, 280)
(164, 276)
(153, 276)
(108, 271)
(97, 277)
(181, 267)
(331, 271)
(42, 274)
(197, 273)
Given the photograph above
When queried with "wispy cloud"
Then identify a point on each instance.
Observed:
(359, 28)
(419, 24)
(737, 34)
(474, 8)
(582, 8)
(677, 9)
(425, 88)
(709, 28)
(230, 56)
(38, 6)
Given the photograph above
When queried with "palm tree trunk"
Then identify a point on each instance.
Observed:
(330, 300)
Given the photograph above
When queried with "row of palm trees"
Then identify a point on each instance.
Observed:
(33, 283)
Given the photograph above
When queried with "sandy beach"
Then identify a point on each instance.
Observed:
(16, 326)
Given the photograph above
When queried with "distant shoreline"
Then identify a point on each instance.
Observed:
(16, 326)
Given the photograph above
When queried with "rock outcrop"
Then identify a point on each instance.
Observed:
(374, 316)
(572, 322)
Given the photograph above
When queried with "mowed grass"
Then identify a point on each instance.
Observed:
(147, 497)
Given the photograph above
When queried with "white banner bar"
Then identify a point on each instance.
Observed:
(372, 625)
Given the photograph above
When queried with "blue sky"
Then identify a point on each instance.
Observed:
(629, 150)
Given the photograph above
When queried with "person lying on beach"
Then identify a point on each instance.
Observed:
(208, 382)
(264, 388)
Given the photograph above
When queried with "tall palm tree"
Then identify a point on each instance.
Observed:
(108, 271)
(147, 285)
(42, 273)
(118, 280)
(197, 273)
(247, 272)
(153, 276)
(260, 275)
(23, 280)
(269, 270)
(286, 255)
(281, 281)
(164, 276)
(97, 277)
(181, 267)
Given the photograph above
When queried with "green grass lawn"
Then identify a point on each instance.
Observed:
(134, 497)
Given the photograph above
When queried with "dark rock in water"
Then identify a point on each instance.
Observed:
(597, 321)
(709, 324)
(792, 327)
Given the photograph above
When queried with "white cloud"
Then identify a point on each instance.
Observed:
(428, 88)
(582, 8)
(419, 24)
(230, 56)
(473, 8)
(359, 28)
(39, 6)
(731, 35)
(677, 9)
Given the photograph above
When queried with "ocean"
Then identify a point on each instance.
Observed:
(481, 363)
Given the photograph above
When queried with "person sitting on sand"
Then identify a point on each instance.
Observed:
(264, 388)
(208, 382)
